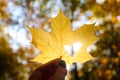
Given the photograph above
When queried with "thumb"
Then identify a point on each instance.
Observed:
(45, 71)
(60, 72)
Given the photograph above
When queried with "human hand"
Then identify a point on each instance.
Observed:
(53, 70)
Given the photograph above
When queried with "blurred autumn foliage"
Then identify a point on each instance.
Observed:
(10, 66)
(15, 53)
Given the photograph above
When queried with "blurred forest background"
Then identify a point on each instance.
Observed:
(16, 50)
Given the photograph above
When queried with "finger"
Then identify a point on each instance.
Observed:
(60, 73)
(46, 70)
(52, 64)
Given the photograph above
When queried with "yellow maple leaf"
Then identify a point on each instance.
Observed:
(52, 43)
(84, 35)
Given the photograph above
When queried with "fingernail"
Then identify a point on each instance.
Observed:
(62, 63)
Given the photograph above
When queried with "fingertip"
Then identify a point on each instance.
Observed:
(62, 63)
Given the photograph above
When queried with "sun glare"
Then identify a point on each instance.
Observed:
(74, 48)
(77, 46)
